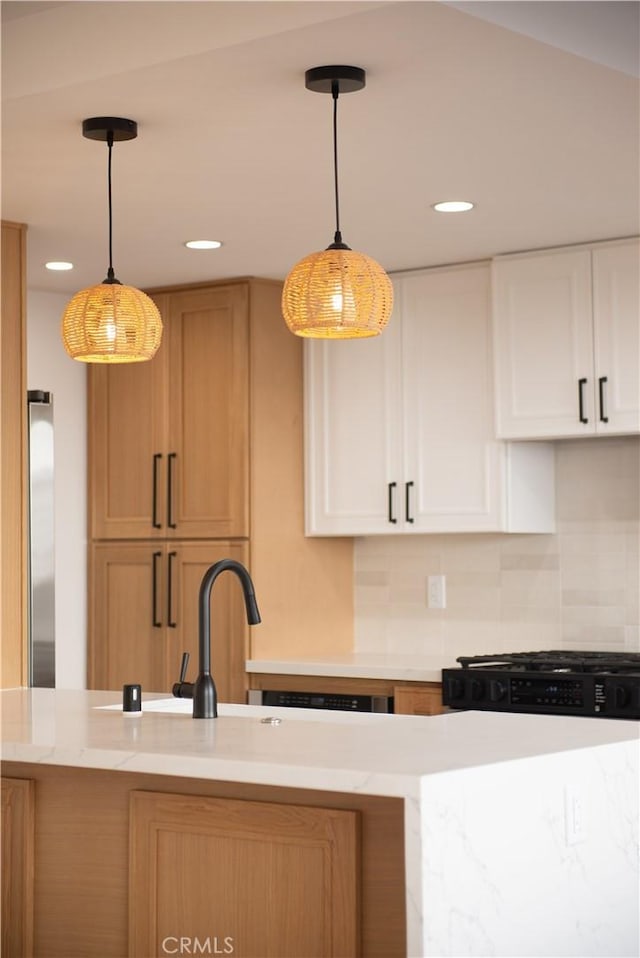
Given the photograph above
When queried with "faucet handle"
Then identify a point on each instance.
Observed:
(182, 689)
(184, 665)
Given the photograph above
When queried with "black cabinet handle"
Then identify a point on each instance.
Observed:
(170, 459)
(156, 622)
(581, 384)
(601, 382)
(407, 504)
(170, 621)
(154, 508)
(392, 486)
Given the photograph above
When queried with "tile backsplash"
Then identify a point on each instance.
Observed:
(577, 588)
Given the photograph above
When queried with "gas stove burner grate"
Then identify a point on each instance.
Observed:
(558, 660)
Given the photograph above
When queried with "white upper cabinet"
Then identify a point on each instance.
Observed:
(566, 341)
(399, 430)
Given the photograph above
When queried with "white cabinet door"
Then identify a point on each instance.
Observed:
(450, 457)
(566, 341)
(616, 312)
(399, 434)
(352, 436)
(543, 344)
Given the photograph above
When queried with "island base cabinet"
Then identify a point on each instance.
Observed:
(124, 861)
(252, 879)
(17, 867)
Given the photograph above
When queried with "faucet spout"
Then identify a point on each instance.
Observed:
(205, 699)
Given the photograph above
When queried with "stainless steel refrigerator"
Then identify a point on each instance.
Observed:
(41, 594)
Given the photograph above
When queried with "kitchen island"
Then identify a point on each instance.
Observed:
(466, 834)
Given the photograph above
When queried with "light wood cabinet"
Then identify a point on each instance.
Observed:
(257, 879)
(144, 615)
(276, 868)
(419, 700)
(202, 447)
(169, 438)
(566, 325)
(17, 867)
(399, 429)
(13, 473)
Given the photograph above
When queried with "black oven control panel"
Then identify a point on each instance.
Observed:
(556, 692)
(549, 692)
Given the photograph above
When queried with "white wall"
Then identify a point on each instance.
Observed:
(49, 368)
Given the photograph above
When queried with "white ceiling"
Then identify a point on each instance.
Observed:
(529, 109)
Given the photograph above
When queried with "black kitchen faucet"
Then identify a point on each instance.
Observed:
(203, 690)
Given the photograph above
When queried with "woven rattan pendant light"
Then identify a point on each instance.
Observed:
(336, 293)
(111, 323)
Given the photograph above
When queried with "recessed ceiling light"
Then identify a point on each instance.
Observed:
(453, 206)
(203, 244)
(59, 266)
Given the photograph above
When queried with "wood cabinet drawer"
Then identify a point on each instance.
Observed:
(419, 700)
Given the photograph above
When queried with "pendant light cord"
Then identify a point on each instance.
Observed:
(334, 94)
(110, 274)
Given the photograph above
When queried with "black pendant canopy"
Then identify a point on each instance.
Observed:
(99, 128)
(335, 79)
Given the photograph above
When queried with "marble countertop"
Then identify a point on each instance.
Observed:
(360, 665)
(374, 754)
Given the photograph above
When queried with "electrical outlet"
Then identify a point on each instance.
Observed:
(436, 592)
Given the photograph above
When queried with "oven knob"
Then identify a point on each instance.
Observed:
(497, 690)
(620, 696)
(476, 688)
(455, 688)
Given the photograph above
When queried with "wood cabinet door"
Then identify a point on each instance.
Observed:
(543, 345)
(451, 463)
(187, 563)
(127, 454)
(616, 311)
(18, 837)
(208, 456)
(252, 879)
(144, 615)
(128, 616)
